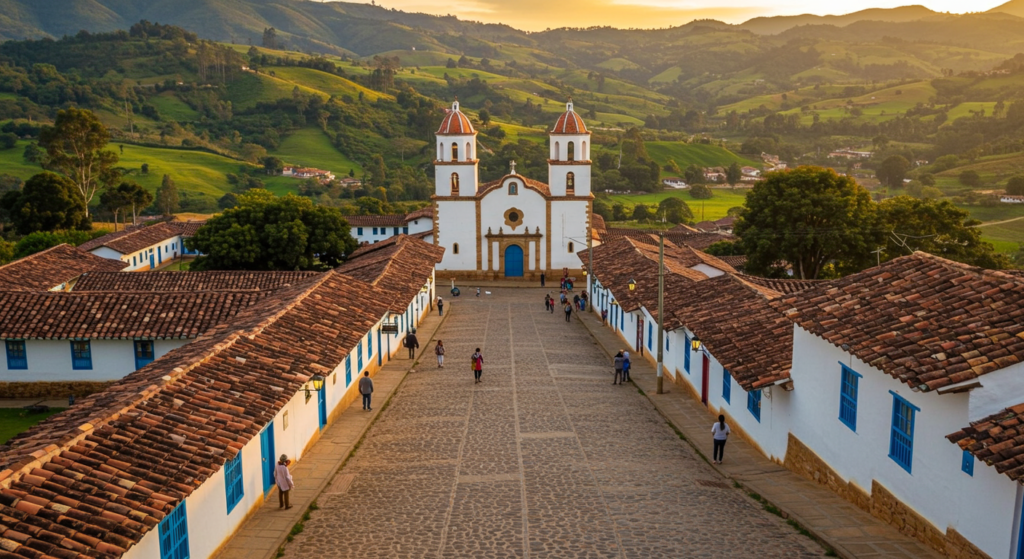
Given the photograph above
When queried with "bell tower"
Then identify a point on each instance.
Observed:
(569, 161)
(456, 165)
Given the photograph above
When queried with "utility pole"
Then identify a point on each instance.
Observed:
(590, 269)
(661, 311)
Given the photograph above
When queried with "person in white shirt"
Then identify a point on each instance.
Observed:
(720, 432)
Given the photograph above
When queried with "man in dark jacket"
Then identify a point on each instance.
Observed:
(412, 343)
(366, 389)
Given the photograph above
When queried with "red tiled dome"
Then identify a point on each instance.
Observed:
(455, 123)
(569, 122)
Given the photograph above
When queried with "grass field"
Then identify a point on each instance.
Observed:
(172, 108)
(15, 420)
(309, 147)
(992, 169)
(12, 162)
(1007, 236)
(705, 155)
(715, 208)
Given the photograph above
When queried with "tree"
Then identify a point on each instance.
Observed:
(807, 217)
(724, 248)
(42, 240)
(700, 192)
(694, 174)
(642, 213)
(136, 196)
(673, 167)
(34, 154)
(892, 171)
(378, 173)
(926, 179)
(1015, 186)
(367, 205)
(733, 173)
(273, 165)
(451, 63)
(167, 196)
(266, 232)
(227, 201)
(619, 212)
(115, 201)
(6, 251)
(602, 209)
(675, 210)
(74, 146)
(270, 38)
(8, 140)
(145, 168)
(734, 211)
(47, 202)
(937, 227)
(970, 178)
(485, 116)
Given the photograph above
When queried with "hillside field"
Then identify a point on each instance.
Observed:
(705, 155)
(703, 210)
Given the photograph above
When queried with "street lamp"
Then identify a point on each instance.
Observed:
(632, 284)
(318, 384)
(695, 344)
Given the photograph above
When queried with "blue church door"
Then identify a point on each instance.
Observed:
(513, 261)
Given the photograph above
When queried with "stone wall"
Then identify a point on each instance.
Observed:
(52, 390)
(880, 503)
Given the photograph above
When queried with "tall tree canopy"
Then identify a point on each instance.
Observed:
(47, 202)
(936, 227)
(893, 170)
(807, 217)
(265, 232)
(74, 146)
(167, 196)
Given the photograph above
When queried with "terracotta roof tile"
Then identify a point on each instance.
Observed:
(997, 440)
(188, 281)
(924, 320)
(391, 220)
(103, 473)
(427, 212)
(397, 266)
(54, 266)
(128, 242)
(569, 122)
(618, 261)
(699, 241)
(785, 286)
(530, 183)
(455, 122)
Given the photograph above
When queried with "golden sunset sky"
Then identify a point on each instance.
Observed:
(537, 15)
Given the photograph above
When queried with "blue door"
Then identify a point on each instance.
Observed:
(321, 400)
(379, 352)
(513, 261)
(152, 261)
(159, 257)
(268, 456)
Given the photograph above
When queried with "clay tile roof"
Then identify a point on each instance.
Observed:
(699, 241)
(187, 228)
(99, 476)
(391, 220)
(618, 261)
(455, 123)
(52, 267)
(739, 327)
(785, 286)
(597, 222)
(997, 440)
(737, 261)
(118, 315)
(401, 266)
(188, 281)
(924, 320)
(530, 183)
(569, 122)
(128, 242)
(427, 212)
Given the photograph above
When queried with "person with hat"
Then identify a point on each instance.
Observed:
(284, 481)
(412, 343)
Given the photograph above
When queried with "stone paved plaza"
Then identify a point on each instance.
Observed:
(544, 458)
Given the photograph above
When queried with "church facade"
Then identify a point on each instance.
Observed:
(514, 227)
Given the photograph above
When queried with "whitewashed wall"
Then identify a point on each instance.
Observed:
(50, 360)
(456, 223)
(568, 224)
(979, 507)
(168, 250)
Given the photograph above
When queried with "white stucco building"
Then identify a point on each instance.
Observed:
(369, 229)
(515, 226)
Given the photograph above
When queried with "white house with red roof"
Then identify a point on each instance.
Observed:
(514, 227)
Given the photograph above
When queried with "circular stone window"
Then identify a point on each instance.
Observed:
(513, 218)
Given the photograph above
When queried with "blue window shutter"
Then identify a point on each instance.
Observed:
(967, 463)
(396, 230)
(348, 370)
(666, 341)
(901, 435)
(374, 230)
(173, 530)
(849, 386)
(144, 353)
(650, 334)
(359, 356)
(405, 230)
(359, 230)
(726, 386)
(81, 355)
(686, 353)
(17, 356)
(233, 482)
(369, 346)
(754, 404)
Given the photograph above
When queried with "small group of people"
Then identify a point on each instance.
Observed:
(622, 367)
(566, 284)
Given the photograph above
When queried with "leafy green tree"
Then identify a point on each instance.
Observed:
(115, 201)
(725, 248)
(273, 165)
(137, 196)
(42, 240)
(734, 211)
(227, 201)
(733, 173)
(673, 167)
(675, 210)
(619, 212)
(367, 205)
(266, 232)
(970, 177)
(8, 140)
(642, 213)
(167, 202)
(700, 191)
(893, 170)
(377, 170)
(74, 146)
(34, 154)
(485, 116)
(694, 174)
(6, 251)
(1015, 186)
(807, 217)
(926, 179)
(47, 202)
(602, 208)
(937, 227)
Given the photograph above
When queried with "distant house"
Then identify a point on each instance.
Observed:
(750, 171)
(769, 158)
(1010, 199)
(349, 182)
(54, 269)
(145, 248)
(307, 173)
(847, 153)
(369, 229)
(674, 182)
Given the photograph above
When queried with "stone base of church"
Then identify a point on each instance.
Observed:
(552, 277)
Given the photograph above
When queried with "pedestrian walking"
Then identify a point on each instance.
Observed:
(576, 302)
(626, 366)
(720, 433)
(366, 389)
(547, 302)
(478, 365)
(478, 292)
(562, 297)
(542, 279)
(439, 351)
(412, 343)
(604, 316)
(568, 312)
(284, 481)
(440, 306)
(584, 298)
(618, 368)
(551, 308)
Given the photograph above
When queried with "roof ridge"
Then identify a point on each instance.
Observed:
(33, 255)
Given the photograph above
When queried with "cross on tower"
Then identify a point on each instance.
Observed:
(512, 164)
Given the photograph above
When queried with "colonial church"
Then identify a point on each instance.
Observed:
(516, 226)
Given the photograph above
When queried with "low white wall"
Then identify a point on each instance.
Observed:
(50, 360)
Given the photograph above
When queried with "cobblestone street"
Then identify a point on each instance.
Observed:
(544, 458)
